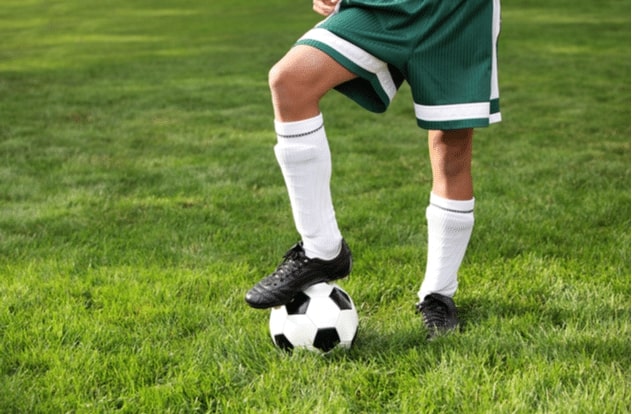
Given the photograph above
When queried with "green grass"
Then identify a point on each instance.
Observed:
(140, 199)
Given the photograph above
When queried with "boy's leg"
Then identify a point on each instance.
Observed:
(451, 160)
(297, 83)
(300, 79)
(450, 218)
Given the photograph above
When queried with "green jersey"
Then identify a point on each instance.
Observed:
(444, 49)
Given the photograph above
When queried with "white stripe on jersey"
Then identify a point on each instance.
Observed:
(358, 56)
(438, 113)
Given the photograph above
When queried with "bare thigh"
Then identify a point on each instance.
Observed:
(300, 79)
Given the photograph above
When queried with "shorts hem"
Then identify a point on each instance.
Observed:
(454, 124)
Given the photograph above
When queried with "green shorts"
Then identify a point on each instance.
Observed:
(444, 49)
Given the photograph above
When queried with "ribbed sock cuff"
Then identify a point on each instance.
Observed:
(297, 129)
(455, 206)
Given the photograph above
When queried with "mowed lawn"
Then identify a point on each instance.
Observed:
(140, 199)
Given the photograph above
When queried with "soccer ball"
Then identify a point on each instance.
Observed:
(320, 318)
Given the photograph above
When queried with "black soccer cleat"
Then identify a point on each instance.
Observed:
(296, 273)
(439, 314)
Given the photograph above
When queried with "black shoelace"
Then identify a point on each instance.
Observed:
(292, 262)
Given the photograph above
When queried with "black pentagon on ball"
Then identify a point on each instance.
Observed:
(281, 341)
(298, 305)
(326, 339)
(341, 299)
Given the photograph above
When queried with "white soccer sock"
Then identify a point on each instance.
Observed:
(450, 224)
(303, 154)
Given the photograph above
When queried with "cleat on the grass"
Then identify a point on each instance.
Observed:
(296, 273)
(439, 314)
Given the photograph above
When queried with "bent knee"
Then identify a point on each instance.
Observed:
(287, 72)
(287, 83)
(277, 76)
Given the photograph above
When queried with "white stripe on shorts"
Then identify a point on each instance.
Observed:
(496, 117)
(358, 56)
(438, 113)
(495, 34)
